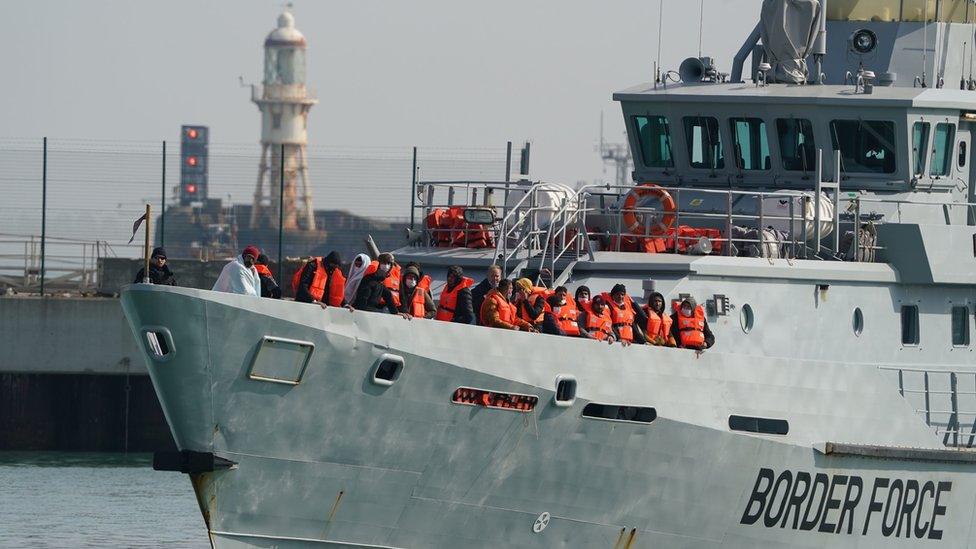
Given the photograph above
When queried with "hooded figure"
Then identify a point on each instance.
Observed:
(269, 286)
(658, 321)
(355, 276)
(333, 275)
(410, 284)
(689, 327)
(239, 276)
(372, 294)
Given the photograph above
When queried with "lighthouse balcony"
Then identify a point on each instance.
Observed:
(297, 93)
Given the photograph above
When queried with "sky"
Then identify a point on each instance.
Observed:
(431, 73)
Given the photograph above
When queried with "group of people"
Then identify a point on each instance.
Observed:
(382, 285)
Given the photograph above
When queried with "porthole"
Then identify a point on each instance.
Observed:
(158, 342)
(857, 323)
(565, 391)
(387, 370)
(746, 318)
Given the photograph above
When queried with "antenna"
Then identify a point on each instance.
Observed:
(660, 29)
(701, 19)
(925, 39)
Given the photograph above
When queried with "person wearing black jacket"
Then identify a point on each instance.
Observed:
(550, 324)
(373, 295)
(159, 272)
(463, 312)
(490, 282)
(331, 262)
(269, 287)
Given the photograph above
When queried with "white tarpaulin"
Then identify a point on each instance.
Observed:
(789, 29)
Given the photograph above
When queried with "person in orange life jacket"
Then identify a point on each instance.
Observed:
(269, 288)
(550, 318)
(594, 320)
(454, 304)
(497, 311)
(415, 298)
(689, 327)
(567, 315)
(658, 322)
(373, 294)
(582, 298)
(529, 306)
(321, 281)
(490, 282)
(628, 319)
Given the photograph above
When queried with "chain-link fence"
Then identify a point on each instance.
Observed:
(81, 198)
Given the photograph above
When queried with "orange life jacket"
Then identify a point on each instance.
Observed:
(392, 281)
(448, 300)
(567, 318)
(319, 282)
(417, 303)
(622, 317)
(506, 311)
(263, 270)
(658, 327)
(599, 325)
(691, 328)
(537, 293)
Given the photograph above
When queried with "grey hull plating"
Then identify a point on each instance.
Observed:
(338, 461)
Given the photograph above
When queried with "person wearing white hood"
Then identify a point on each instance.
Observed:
(240, 276)
(356, 271)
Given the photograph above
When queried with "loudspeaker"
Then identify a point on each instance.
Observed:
(691, 70)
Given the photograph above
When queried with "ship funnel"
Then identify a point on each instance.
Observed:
(691, 70)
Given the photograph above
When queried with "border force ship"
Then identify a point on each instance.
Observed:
(821, 208)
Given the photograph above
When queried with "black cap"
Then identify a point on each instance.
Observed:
(159, 252)
(618, 289)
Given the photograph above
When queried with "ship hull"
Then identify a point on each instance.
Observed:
(338, 460)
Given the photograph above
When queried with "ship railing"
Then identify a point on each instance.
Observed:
(522, 215)
(791, 243)
(935, 394)
(70, 265)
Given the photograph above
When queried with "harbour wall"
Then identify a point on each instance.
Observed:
(72, 378)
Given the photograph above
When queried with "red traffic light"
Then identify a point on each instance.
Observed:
(191, 188)
(192, 133)
(191, 161)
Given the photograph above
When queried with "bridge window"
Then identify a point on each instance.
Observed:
(962, 154)
(704, 142)
(917, 11)
(864, 10)
(750, 144)
(654, 136)
(909, 325)
(866, 146)
(920, 144)
(942, 142)
(960, 326)
(796, 145)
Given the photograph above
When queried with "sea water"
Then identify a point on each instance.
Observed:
(59, 499)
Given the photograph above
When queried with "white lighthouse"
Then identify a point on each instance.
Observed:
(284, 102)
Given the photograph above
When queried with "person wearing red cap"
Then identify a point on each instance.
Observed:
(240, 276)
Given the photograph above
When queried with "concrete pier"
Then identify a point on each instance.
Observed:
(72, 378)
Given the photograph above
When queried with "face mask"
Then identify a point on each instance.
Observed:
(410, 283)
(686, 311)
(556, 310)
(385, 268)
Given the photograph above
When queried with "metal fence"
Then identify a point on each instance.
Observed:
(64, 203)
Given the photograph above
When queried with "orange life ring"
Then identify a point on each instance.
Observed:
(635, 225)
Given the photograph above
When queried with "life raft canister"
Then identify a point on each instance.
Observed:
(630, 218)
